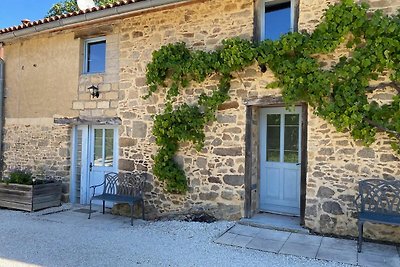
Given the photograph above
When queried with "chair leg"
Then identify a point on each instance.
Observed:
(90, 208)
(104, 206)
(360, 235)
(132, 205)
(142, 209)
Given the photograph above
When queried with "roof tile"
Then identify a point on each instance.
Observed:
(72, 14)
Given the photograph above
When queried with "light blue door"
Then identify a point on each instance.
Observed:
(103, 157)
(280, 161)
(95, 152)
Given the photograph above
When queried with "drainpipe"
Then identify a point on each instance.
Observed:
(2, 80)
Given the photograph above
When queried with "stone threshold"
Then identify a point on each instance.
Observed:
(275, 222)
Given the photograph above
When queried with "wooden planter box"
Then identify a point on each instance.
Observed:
(30, 197)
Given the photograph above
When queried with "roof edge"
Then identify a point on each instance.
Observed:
(112, 12)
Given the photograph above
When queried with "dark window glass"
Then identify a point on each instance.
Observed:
(273, 137)
(291, 153)
(96, 57)
(277, 20)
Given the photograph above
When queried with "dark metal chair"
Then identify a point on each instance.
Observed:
(121, 188)
(378, 201)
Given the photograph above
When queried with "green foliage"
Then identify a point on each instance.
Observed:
(20, 177)
(338, 94)
(68, 6)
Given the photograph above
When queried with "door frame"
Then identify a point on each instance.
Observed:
(253, 107)
(87, 149)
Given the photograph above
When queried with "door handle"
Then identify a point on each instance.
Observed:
(90, 167)
(297, 164)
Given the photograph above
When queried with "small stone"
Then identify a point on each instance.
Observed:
(139, 129)
(311, 210)
(230, 162)
(226, 118)
(326, 151)
(195, 182)
(214, 180)
(214, 188)
(140, 81)
(228, 151)
(234, 180)
(327, 223)
(351, 167)
(201, 163)
(136, 34)
(388, 157)
(332, 208)
(366, 153)
(216, 142)
(127, 142)
(208, 196)
(318, 174)
(228, 195)
(228, 105)
(234, 130)
(347, 198)
(347, 151)
(325, 192)
(126, 165)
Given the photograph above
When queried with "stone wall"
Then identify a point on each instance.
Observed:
(38, 146)
(216, 173)
(336, 163)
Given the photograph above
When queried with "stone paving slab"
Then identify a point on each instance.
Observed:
(339, 255)
(311, 246)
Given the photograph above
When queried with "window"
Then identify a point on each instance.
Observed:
(276, 18)
(95, 56)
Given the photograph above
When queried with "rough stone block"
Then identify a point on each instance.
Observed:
(228, 151)
(234, 180)
(139, 129)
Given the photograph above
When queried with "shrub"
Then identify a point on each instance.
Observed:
(20, 177)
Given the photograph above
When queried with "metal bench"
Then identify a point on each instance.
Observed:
(378, 201)
(121, 188)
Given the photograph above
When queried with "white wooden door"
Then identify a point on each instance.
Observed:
(280, 160)
(95, 152)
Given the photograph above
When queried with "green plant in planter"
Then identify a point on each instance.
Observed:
(20, 177)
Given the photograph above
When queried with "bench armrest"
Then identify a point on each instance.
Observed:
(95, 186)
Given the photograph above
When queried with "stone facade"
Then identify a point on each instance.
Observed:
(106, 104)
(216, 174)
(40, 147)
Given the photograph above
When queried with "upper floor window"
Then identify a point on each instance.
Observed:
(95, 55)
(277, 17)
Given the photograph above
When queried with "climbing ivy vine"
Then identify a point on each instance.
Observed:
(338, 94)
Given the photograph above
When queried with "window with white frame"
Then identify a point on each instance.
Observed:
(277, 17)
(94, 55)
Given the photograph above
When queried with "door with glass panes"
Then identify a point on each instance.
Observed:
(280, 160)
(95, 154)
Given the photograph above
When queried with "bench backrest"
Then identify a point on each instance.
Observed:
(124, 184)
(380, 196)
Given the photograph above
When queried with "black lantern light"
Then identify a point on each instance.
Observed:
(94, 91)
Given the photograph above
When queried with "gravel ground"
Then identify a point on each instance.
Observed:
(68, 238)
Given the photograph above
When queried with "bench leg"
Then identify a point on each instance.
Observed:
(360, 235)
(142, 209)
(90, 208)
(104, 206)
(132, 209)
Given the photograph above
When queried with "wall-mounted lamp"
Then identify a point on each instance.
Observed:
(94, 91)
